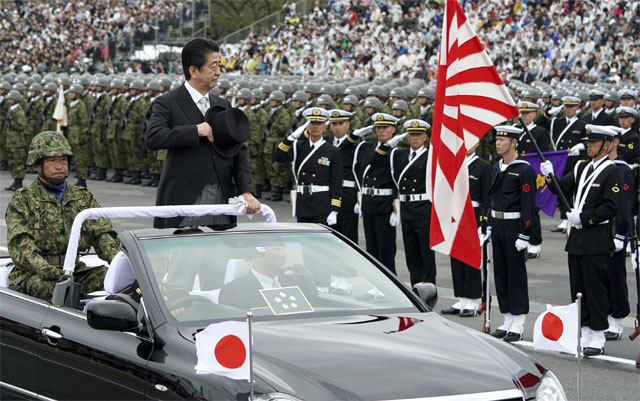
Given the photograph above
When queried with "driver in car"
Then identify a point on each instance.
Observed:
(268, 270)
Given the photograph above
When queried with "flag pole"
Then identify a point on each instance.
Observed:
(579, 301)
(553, 178)
(249, 319)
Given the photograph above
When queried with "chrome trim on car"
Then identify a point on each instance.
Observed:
(24, 392)
(488, 396)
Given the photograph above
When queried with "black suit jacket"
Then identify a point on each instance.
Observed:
(602, 119)
(192, 161)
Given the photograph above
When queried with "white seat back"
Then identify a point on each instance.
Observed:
(119, 275)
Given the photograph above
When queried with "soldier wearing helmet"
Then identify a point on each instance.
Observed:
(277, 127)
(155, 158)
(97, 116)
(133, 139)
(34, 111)
(254, 143)
(114, 115)
(38, 249)
(13, 139)
(5, 87)
(50, 98)
(77, 131)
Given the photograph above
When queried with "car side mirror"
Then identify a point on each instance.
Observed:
(428, 292)
(112, 315)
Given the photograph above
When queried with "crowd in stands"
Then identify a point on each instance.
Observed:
(531, 40)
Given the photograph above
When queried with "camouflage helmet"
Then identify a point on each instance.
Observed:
(15, 95)
(166, 82)
(19, 87)
(325, 100)
(427, 92)
(277, 95)
(376, 90)
(77, 88)
(84, 81)
(117, 84)
(153, 85)
(612, 96)
(400, 105)
(65, 81)
(105, 82)
(351, 99)
(327, 89)
(244, 93)
(258, 94)
(137, 84)
(300, 96)
(286, 88)
(48, 144)
(398, 92)
(373, 102)
(5, 85)
(35, 87)
(224, 83)
(50, 86)
(177, 84)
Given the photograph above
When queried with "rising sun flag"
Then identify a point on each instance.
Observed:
(471, 98)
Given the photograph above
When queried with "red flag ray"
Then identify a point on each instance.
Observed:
(470, 99)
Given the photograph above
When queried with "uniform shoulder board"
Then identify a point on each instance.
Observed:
(519, 161)
(621, 162)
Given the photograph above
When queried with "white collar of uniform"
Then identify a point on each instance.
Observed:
(417, 151)
(74, 102)
(471, 158)
(599, 162)
(531, 126)
(195, 95)
(316, 143)
(265, 281)
(13, 106)
(595, 114)
(339, 140)
(626, 131)
(153, 99)
(243, 108)
(572, 119)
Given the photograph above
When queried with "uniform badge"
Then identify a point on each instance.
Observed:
(630, 146)
(615, 189)
(336, 114)
(316, 112)
(526, 188)
(324, 161)
(415, 124)
(625, 187)
(380, 117)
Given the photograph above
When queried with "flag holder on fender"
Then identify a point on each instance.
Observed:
(579, 302)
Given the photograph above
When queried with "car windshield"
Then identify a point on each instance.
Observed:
(223, 276)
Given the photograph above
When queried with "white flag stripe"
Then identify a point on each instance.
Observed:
(484, 115)
(470, 139)
(465, 33)
(453, 31)
(443, 55)
(450, 139)
(451, 111)
(479, 89)
(475, 60)
(447, 203)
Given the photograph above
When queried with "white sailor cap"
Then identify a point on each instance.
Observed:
(508, 131)
(571, 100)
(618, 130)
(416, 126)
(316, 114)
(627, 94)
(599, 132)
(626, 111)
(338, 115)
(384, 119)
(595, 94)
(526, 107)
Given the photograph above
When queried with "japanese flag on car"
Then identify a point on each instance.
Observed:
(557, 329)
(223, 349)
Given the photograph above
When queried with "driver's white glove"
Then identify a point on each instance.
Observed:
(393, 142)
(634, 260)
(332, 218)
(484, 237)
(521, 244)
(573, 216)
(576, 149)
(619, 244)
(546, 168)
(356, 208)
(360, 132)
(296, 134)
(393, 219)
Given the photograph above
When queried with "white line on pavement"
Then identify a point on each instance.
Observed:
(608, 358)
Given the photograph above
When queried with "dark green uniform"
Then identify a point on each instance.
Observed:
(77, 133)
(118, 107)
(98, 130)
(34, 115)
(132, 135)
(15, 142)
(278, 125)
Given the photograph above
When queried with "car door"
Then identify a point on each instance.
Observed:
(21, 317)
(79, 362)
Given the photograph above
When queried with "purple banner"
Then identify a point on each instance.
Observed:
(545, 199)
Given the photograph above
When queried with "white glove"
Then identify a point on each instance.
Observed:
(332, 218)
(521, 244)
(546, 168)
(575, 150)
(296, 134)
(393, 142)
(619, 244)
(555, 110)
(634, 263)
(393, 219)
(484, 237)
(360, 132)
(574, 217)
(356, 208)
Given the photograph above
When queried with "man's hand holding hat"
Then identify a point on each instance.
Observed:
(204, 130)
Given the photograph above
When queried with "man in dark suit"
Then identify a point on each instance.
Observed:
(598, 115)
(197, 169)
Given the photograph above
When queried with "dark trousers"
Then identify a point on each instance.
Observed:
(588, 275)
(536, 229)
(467, 280)
(421, 260)
(617, 289)
(380, 238)
(313, 219)
(510, 271)
(348, 224)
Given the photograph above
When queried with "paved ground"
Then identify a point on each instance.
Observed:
(601, 379)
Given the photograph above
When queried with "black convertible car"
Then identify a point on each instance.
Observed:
(359, 334)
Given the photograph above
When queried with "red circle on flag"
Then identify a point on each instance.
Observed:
(552, 327)
(230, 352)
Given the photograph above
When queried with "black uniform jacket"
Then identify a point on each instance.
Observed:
(192, 161)
(565, 137)
(629, 147)
(347, 150)
(514, 190)
(373, 170)
(540, 135)
(323, 167)
(480, 177)
(603, 118)
(600, 205)
(628, 203)
(411, 179)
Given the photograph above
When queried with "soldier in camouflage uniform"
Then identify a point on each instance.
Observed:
(97, 131)
(299, 102)
(424, 112)
(13, 136)
(261, 118)
(51, 98)
(278, 125)
(112, 121)
(254, 143)
(153, 163)
(400, 108)
(77, 132)
(350, 104)
(5, 87)
(34, 111)
(132, 135)
(39, 219)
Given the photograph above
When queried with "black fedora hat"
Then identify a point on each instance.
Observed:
(230, 128)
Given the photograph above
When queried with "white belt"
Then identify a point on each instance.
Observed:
(312, 188)
(505, 215)
(475, 203)
(377, 192)
(348, 184)
(413, 197)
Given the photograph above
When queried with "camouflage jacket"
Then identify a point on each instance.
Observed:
(100, 110)
(254, 143)
(117, 112)
(34, 115)
(39, 226)
(89, 100)
(15, 124)
(281, 122)
(133, 126)
(78, 123)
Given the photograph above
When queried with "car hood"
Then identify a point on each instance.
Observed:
(385, 357)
